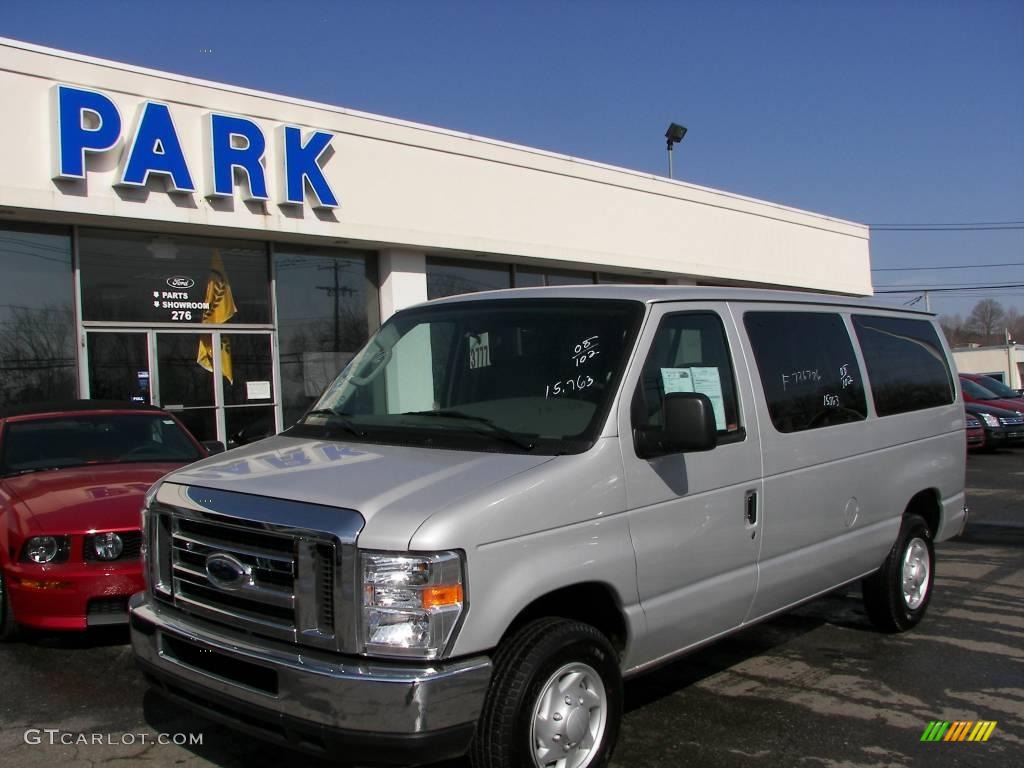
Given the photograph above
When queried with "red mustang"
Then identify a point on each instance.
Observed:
(72, 480)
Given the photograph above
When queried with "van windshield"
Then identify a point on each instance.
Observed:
(530, 375)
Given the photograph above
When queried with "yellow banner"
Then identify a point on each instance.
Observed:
(222, 308)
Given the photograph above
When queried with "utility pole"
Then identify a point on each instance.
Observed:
(336, 291)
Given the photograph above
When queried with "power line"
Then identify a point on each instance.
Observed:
(949, 226)
(955, 266)
(922, 289)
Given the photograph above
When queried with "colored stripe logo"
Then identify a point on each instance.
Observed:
(958, 730)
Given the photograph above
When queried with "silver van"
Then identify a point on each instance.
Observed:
(509, 502)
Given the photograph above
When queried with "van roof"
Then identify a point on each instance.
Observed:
(653, 294)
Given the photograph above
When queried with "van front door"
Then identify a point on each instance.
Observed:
(694, 517)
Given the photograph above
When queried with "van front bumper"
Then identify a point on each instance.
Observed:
(350, 708)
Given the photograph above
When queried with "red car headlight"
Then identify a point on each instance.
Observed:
(45, 549)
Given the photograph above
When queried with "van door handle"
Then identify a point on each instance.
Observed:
(750, 507)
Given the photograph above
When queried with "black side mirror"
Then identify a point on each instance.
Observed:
(689, 425)
(213, 446)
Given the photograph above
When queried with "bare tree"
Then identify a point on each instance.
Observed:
(953, 327)
(986, 320)
(37, 354)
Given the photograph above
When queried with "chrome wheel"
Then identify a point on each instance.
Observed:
(569, 718)
(916, 569)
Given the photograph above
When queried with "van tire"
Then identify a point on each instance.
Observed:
(890, 606)
(534, 671)
(8, 626)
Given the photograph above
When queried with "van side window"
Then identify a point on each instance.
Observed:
(689, 354)
(808, 369)
(906, 364)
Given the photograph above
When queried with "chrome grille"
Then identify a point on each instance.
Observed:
(1011, 421)
(288, 588)
(266, 597)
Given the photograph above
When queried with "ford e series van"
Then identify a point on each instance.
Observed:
(509, 502)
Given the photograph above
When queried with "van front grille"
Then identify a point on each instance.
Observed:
(279, 584)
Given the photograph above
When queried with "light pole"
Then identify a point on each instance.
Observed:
(673, 135)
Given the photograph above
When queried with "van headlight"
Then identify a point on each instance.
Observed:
(989, 419)
(411, 602)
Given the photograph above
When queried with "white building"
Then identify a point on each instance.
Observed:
(122, 187)
(1004, 362)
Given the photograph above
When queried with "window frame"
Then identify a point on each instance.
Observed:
(724, 437)
(855, 359)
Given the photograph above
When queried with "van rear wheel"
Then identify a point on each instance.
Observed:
(555, 699)
(896, 596)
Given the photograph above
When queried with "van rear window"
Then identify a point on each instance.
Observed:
(808, 369)
(905, 362)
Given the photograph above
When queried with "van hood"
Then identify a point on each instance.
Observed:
(374, 480)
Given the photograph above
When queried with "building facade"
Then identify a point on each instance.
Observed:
(223, 252)
(1004, 362)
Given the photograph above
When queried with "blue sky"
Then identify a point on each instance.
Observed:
(878, 112)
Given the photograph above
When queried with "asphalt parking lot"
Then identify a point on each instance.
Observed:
(817, 687)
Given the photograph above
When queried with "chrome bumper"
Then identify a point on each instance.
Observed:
(281, 682)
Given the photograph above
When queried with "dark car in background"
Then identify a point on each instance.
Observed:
(1002, 427)
(72, 480)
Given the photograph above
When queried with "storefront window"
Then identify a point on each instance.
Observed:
(532, 277)
(326, 307)
(37, 320)
(448, 278)
(145, 278)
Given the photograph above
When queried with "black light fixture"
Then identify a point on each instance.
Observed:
(673, 135)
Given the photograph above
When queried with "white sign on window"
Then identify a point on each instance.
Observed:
(257, 390)
(703, 379)
(479, 351)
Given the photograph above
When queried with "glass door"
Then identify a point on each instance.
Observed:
(184, 385)
(119, 366)
(222, 386)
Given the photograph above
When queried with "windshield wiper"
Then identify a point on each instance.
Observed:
(499, 432)
(16, 472)
(339, 417)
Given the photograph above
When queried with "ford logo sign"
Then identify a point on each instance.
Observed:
(227, 572)
(180, 282)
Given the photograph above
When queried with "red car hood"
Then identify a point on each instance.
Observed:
(81, 499)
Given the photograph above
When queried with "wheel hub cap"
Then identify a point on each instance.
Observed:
(916, 569)
(569, 718)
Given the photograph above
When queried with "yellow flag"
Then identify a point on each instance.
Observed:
(221, 309)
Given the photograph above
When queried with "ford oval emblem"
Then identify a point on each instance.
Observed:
(180, 282)
(227, 572)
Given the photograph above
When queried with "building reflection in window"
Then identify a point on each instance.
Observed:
(37, 324)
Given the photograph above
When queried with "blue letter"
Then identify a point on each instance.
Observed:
(225, 157)
(74, 139)
(302, 164)
(156, 149)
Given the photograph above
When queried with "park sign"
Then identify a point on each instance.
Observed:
(89, 122)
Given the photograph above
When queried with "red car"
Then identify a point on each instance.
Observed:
(975, 433)
(978, 393)
(72, 480)
(997, 388)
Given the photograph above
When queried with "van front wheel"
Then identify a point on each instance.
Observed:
(897, 594)
(555, 699)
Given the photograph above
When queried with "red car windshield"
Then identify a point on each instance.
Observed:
(71, 441)
(977, 391)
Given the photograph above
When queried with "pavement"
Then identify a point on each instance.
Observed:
(815, 687)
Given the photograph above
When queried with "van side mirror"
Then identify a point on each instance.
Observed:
(213, 446)
(689, 425)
